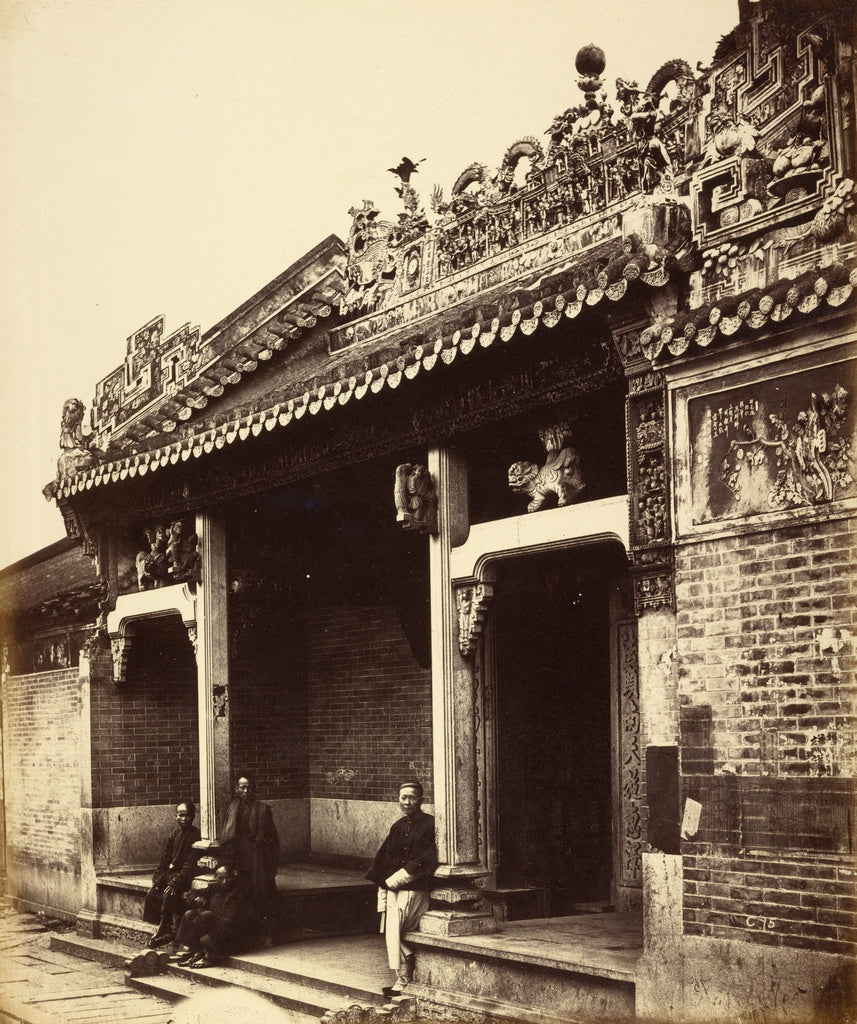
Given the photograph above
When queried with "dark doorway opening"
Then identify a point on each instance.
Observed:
(553, 720)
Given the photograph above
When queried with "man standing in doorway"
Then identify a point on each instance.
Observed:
(250, 846)
(402, 868)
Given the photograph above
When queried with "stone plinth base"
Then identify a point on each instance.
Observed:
(457, 922)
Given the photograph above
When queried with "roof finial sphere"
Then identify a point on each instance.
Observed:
(590, 60)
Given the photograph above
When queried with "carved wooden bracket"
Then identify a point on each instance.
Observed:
(173, 555)
(192, 635)
(416, 499)
(472, 603)
(120, 649)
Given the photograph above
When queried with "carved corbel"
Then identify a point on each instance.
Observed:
(193, 636)
(471, 600)
(120, 649)
(78, 526)
(416, 499)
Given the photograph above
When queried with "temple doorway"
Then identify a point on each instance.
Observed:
(555, 770)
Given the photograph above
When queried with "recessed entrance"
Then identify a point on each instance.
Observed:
(553, 691)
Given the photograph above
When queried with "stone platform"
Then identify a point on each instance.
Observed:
(562, 969)
(333, 900)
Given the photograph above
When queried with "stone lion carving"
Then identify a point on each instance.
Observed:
(75, 452)
(560, 476)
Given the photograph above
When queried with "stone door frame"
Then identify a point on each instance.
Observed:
(472, 573)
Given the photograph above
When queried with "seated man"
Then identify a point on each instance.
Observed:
(164, 902)
(219, 922)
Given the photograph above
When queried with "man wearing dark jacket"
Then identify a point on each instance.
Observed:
(219, 921)
(250, 846)
(402, 869)
(164, 902)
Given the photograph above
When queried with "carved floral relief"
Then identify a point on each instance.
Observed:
(784, 443)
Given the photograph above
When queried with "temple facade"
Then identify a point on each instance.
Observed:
(542, 491)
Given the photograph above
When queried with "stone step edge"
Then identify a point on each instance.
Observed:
(114, 952)
(472, 948)
(104, 951)
(272, 981)
(104, 925)
(181, 981)
(177, 990)
(271, 971)
(495, 1009)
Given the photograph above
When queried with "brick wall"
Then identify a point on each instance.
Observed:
(144, 733)
(268, 710)
(369, 705)
(767, 694)
(41, 769)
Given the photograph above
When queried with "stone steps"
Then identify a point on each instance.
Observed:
(303, 1006)
(309, 983)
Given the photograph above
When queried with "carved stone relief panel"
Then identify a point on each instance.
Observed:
(650, 527)
(173, 555)
(773, 445)
(629, 754)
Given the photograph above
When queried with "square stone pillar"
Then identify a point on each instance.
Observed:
(211, 646)
(95, 669)
(454, 722)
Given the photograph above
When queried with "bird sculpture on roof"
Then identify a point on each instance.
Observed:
(406, 168)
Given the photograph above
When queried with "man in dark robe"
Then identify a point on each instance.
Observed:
(403, 869)
(219, 922)
(250, 846)
(164, 903)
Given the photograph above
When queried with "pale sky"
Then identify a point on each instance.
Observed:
(169, 156)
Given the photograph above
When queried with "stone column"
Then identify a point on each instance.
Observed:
(453, 722)
(210, 638)
(95, 669)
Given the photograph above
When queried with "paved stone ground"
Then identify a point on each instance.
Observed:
(41, 986)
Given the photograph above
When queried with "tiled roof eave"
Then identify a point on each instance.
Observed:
(784, 300)
(472, 334)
